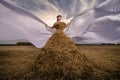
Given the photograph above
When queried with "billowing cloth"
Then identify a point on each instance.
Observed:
(98, 25)
(17, 23)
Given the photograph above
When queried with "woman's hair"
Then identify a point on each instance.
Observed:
(59, 16)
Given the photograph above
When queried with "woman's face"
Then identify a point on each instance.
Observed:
(59, 18)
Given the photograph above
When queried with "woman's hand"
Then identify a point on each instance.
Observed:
(48, 26)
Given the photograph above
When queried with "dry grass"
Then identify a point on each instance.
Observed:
(16, 61)
(61, 59)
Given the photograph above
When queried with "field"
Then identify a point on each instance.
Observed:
(16, 61)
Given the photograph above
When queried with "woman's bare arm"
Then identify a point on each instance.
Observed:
(49, 26)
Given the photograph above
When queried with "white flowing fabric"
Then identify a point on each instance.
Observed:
(99, 25)
(17, 23)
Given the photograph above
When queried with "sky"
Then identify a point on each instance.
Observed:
(47, 10)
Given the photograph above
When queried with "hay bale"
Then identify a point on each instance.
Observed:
(60, 59)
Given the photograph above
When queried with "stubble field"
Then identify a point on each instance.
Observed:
(16, 61)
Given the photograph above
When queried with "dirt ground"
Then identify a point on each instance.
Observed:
(15, 61)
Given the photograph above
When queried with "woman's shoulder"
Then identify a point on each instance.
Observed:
(56, 23)
(63, 22)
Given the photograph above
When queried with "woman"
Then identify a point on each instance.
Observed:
(60, 58)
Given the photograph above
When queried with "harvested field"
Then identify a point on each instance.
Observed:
(16, 61)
